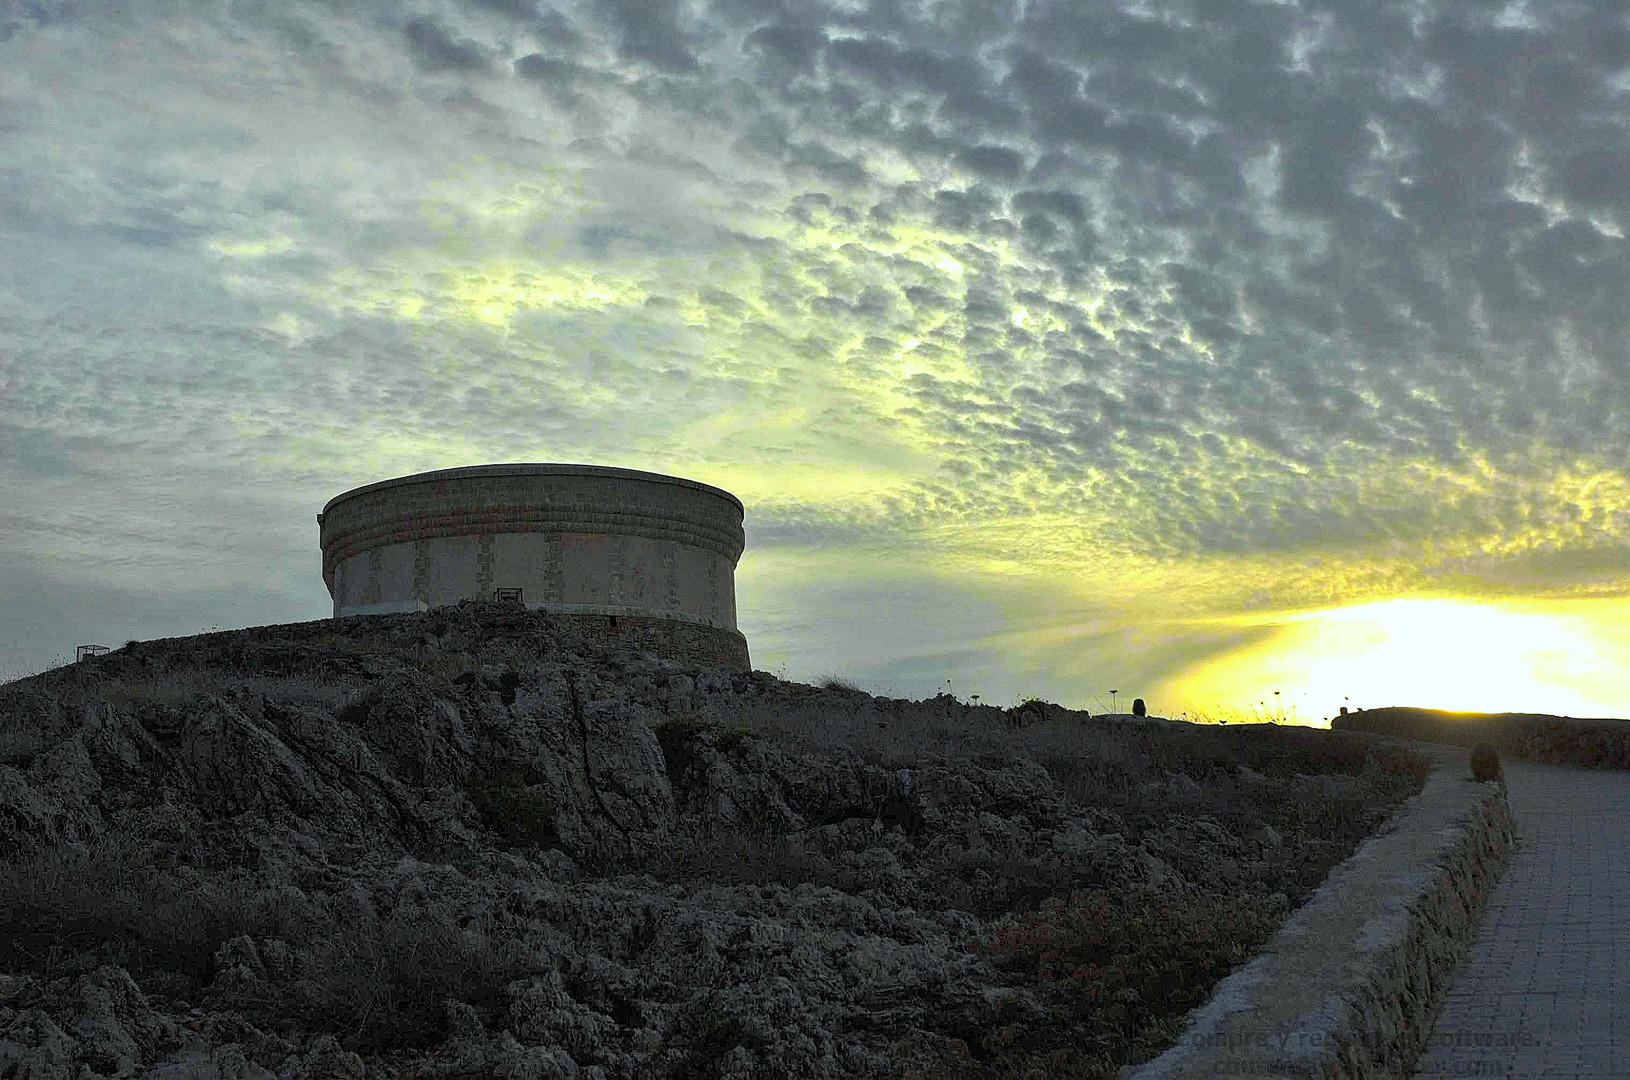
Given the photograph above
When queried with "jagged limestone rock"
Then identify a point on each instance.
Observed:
(476, 806)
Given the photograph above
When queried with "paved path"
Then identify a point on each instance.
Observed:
(1546, 992)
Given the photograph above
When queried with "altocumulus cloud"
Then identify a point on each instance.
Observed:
(1205, 301)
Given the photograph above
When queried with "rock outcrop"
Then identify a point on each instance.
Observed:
(462, 843)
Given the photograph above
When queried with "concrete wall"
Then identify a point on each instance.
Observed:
(612, 551)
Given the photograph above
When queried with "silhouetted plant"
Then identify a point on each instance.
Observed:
(512, 809)
(1485, 763)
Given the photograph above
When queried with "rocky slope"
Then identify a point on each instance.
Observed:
(464, 844)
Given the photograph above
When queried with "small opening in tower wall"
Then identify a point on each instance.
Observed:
(614, 622)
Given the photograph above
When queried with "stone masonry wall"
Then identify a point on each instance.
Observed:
(563, 503)
(690, 644)
(659, 553)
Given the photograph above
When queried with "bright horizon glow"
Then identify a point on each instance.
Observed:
(1459, 655)
(1560, 657)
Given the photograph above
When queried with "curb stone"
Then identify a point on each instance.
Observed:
(1350, 985)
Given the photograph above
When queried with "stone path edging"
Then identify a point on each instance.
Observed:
(1350, 985)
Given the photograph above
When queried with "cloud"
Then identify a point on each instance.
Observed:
(650, 34)
(794, 45)
(436, 50)
(996, 163)
(525, 10)
(1252, 282)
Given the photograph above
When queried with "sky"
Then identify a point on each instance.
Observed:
(1060, 348)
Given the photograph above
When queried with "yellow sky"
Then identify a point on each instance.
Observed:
(1141, 605)
(1566, 657)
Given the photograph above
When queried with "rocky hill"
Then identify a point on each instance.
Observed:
(462, 843)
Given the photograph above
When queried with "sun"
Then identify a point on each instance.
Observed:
(1569, 658)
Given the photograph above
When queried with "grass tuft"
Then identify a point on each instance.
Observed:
(837, 682)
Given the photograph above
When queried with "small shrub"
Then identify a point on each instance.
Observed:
(1485, 763)
(1139, 708)
(729, 740)
(452, 665)
(1105, 956)
(1029, 711)
(677, 738)
(508, 683)
(511, 809)
(837, 682)
(383, 985)
(719, 1033)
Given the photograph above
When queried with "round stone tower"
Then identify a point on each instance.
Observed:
(617, 555)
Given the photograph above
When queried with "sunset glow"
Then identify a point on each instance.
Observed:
(1457, 655)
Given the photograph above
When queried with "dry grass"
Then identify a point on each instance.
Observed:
(1120, 968)
(62, 911)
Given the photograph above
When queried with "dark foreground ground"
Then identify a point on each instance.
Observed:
(460, 843)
